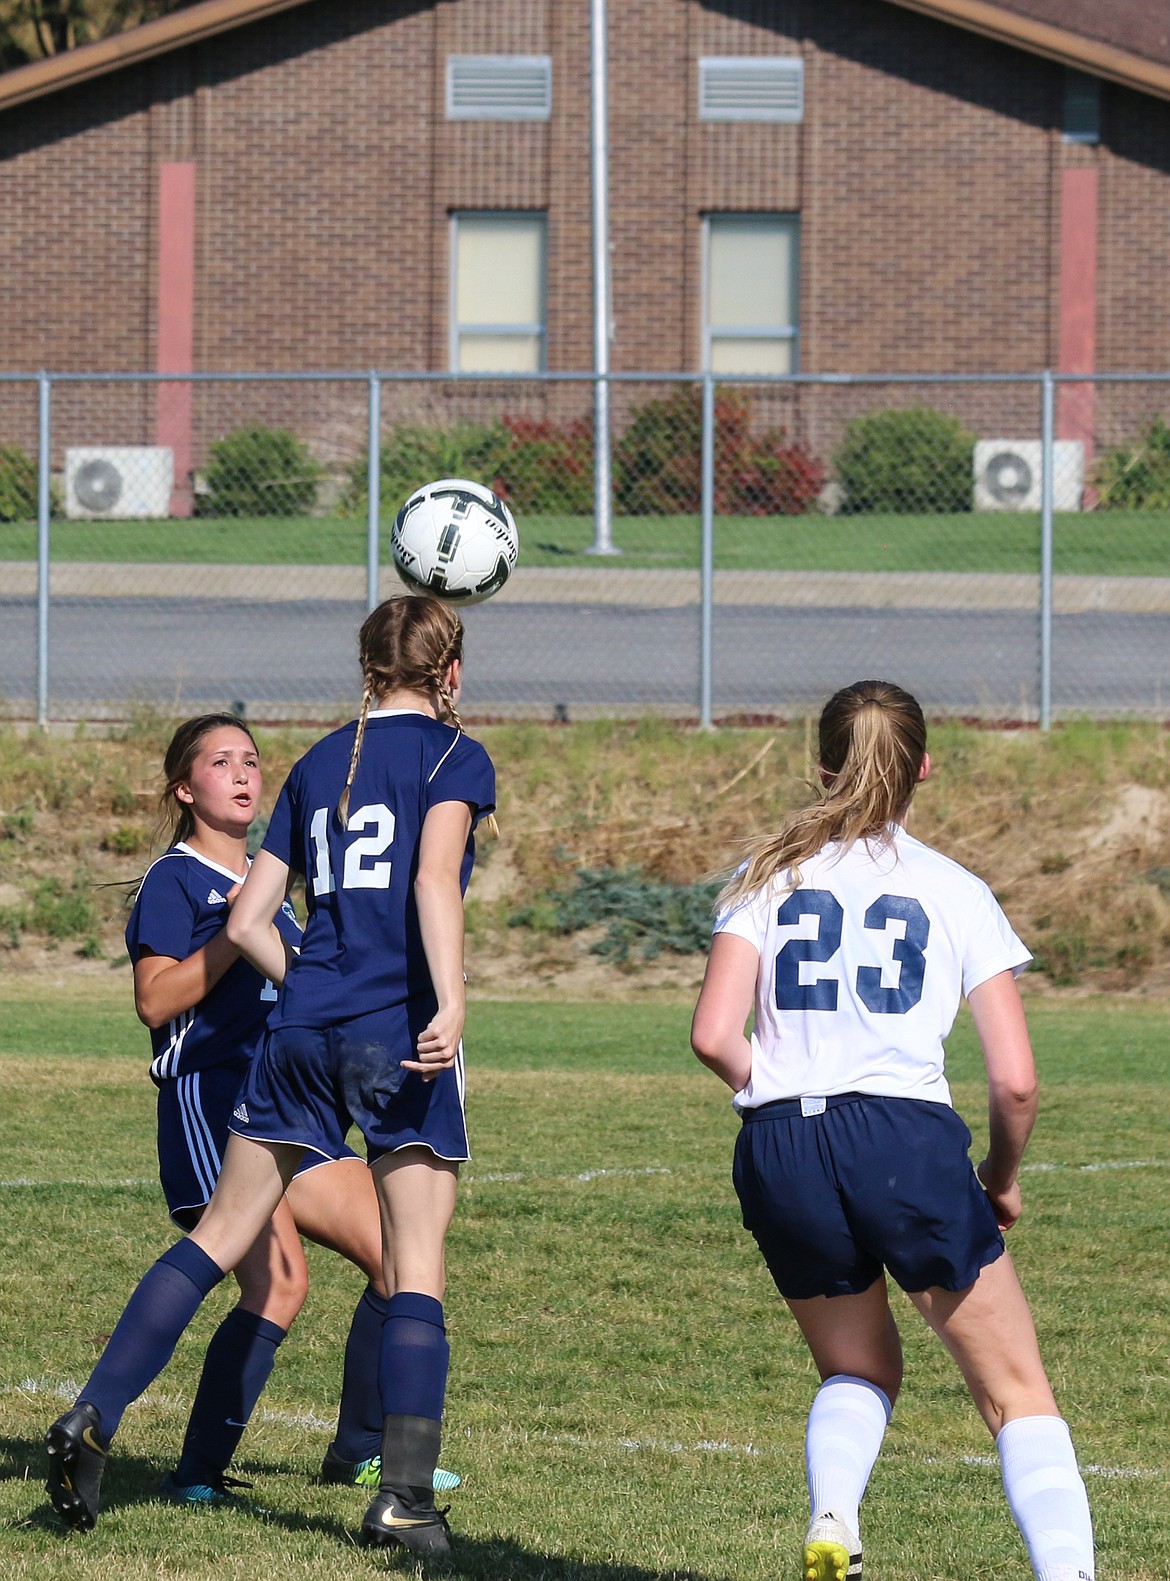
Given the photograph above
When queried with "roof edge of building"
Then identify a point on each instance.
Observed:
(136, 44)
(1059, 44)
(210, 17)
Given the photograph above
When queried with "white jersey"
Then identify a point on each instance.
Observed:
(862, 969)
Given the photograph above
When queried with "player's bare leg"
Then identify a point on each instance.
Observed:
(855, 1344)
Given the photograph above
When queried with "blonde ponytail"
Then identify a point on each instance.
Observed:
(872, 742)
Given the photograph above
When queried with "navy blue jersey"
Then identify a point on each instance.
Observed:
(362, 950)
(181, 904)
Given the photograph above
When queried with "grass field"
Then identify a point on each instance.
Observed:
(1116, 543)
(627, 1399)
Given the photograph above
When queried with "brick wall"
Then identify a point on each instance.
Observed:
(925, 173)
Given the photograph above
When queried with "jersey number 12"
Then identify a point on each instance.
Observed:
(360, 869)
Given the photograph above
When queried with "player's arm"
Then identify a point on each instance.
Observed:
(250, 927)
(439, 899)
(165, 987)
(726, 999)
(1013, 1098)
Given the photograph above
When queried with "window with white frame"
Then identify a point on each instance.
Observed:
(497, 292)
(751, 293)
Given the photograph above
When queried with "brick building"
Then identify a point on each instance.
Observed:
(814, 185)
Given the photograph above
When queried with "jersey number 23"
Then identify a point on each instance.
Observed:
(792, 994)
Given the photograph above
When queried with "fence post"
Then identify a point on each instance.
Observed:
(707, 553)
(43, 510)
(1047, 490)
(374, 490)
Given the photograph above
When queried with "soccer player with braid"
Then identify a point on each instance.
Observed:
(206, 1009)
(850, 943)
(378, 817)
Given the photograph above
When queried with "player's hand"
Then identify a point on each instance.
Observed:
(1007, 1203)
(230, 897)
(438, 1043)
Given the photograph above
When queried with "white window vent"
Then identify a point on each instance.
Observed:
(499, 87)
(751, 88)
(115, 482)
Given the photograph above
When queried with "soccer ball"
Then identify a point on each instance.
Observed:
(455, 540)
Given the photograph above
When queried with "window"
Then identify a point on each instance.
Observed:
(751, 293)
(497, 305)
(499, 87)
(751, 88)
(1082, 107)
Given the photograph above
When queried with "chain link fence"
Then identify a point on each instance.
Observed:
(1001, 545)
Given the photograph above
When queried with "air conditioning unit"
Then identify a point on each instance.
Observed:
(1008, 474)
(114, 482)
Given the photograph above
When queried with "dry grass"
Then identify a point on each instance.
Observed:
(1072, 830)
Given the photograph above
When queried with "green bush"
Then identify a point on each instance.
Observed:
(911, 461)
(260, 471)
(1136, 477)
(637, 912)
(414, 456)
(18, 485)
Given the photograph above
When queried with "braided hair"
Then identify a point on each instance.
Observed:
(406, 644)
(872, 742)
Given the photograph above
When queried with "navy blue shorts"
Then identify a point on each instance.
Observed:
(833, 1198)
(193, 1114)
(308, 1085)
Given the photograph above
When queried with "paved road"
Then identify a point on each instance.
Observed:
(295, 658)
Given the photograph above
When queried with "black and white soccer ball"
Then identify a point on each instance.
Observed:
(455, 540)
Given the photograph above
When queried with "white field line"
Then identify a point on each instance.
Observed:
(308, 1421)
(584, 1176)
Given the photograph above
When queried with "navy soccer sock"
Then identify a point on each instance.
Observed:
(412, 1377)
(237, 1366)
(166, 1299)
(412, 1371)
(359, 1419)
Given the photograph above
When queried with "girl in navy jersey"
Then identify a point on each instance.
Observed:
(378, 817)
(206, 1008)
(851, 944)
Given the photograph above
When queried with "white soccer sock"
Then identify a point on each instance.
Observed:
(1047, 1497)
(845, 1430)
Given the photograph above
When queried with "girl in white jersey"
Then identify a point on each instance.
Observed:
(378, 817)
(852, 944)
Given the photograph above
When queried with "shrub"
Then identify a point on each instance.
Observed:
(637, 911)
(18, 485)
(548, 466)
(1136, 477)
(911, 461)
(414, 456)
(261, 471)
(657, 462)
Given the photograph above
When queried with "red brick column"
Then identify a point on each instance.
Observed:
(176, 321)
(1076, 404)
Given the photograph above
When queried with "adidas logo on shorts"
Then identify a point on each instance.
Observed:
(214, 898)
(240, 1112)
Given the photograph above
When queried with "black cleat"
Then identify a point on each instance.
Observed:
(391, 1521)
(214, 1495)
(77, 1458)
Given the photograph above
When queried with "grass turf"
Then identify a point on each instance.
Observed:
(1115, 543)
(628, 1398)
